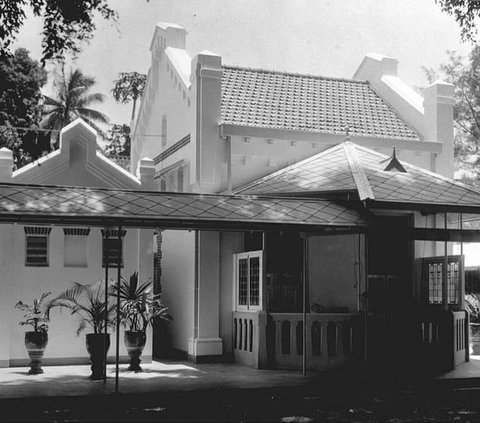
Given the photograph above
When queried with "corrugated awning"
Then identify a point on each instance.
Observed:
(105, 207)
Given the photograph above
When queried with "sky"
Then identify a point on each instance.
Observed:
(319, 37)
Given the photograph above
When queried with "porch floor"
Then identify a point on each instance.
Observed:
(157, 377)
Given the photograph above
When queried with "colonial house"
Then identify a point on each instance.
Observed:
(40, 258)
(375, 154)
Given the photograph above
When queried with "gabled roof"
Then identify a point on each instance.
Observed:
(349, 167)
(268, 99)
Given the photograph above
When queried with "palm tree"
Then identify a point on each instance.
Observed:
(72, 101)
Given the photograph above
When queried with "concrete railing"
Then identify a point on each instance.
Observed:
(249, 335)
(329, 339)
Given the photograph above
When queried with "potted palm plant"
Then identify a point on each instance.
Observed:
(138, 309)
(35, 341)
(88, 303)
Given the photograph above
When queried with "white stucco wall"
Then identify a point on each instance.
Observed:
(178, 273)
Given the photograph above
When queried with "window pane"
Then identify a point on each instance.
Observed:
(453, 282)
(114, 250)
(36, 250)
(254, 281)
(435, 283)
(242, 281)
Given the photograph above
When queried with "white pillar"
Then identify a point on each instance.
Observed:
(206, 341)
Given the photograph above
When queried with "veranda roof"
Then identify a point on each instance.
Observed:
(357, 169)
(108, 207)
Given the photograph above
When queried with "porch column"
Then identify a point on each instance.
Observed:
(206, 343)
(445, 269)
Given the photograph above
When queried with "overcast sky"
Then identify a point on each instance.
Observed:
(321, 37)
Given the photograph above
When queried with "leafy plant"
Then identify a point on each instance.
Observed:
(138, 305)
(88, 303)
(472, 305)
(35, 315)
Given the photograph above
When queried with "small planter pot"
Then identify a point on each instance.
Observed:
(35, 343)
(97, 344)
(135, 342)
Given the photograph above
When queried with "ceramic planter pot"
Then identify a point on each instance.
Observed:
(36, 342)
(135, 342)
(97, 343)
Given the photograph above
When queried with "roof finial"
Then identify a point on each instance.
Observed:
(347, 133)
(394, 164)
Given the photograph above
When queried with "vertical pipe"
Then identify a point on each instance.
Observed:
(461, 270)
(106, 255)
(445, 268)
(119, 273)
(304, 274)
(366, 301)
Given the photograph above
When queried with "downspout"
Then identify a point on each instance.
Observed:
(305, 275)
(198, 117)
(119, 275)
(106, 305)
(196, 296)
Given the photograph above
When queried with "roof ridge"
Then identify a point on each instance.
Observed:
(420, 169)
(359, 176)
(306, 75)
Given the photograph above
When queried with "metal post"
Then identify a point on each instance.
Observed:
(305, 275)
(119, 274)
(461, 271)
(366, 301)
(445, 269)
(105, 252)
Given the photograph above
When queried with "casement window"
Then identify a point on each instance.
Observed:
(249, 280)
(36, 246)
(433, 269)
(75, 247)
(112, 247)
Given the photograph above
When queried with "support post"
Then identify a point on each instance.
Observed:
(119, 274)
(106, 303)
(304, 277)
(445, 270)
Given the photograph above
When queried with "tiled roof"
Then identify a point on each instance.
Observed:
(267, 99)
(351, 167)
(104, 207)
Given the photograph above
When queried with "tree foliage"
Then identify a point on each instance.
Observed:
(72, 101)
(118, 141)
(67, 24)
(128, 87)
(465, 12)
(21, 79)
(464, 73)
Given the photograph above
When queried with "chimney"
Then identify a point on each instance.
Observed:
(438, 107)
(146, 173)
(6, 165)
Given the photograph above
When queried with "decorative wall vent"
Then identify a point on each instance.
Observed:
(113, 233)
(76, 231)
(37, 230)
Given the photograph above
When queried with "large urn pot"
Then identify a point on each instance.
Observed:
(97, 344)
(35, 343)
(135, 342)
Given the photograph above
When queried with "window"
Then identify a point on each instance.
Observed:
(36, 246)
(249, 274)
(433, 279)
(112, 247)
(75, 246)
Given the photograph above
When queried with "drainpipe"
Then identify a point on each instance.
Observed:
(305, 275)
(119, 274)
(106, 305)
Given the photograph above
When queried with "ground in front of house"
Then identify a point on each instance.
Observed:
(175, 391)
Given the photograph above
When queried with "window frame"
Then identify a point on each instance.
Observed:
(261, 287)
(37, 232)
